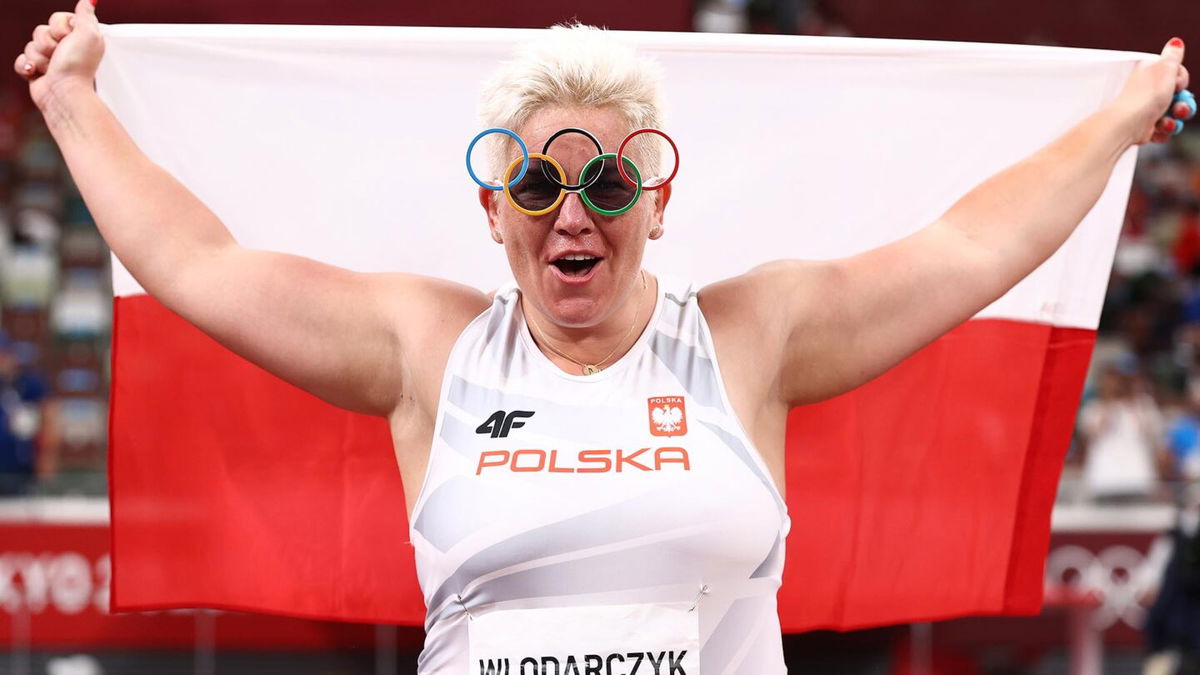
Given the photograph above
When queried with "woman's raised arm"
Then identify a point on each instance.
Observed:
(834, 325)
(338, 334)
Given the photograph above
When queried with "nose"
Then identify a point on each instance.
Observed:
(573, 217)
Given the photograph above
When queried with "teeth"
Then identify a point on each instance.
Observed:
(577, 257)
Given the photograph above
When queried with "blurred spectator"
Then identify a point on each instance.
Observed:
(22, 402)
(1186, 250)
(29, 277)
(1172, 626)
(56, 307)
(799, 17)
(79, 664)
(1183, 439)
(721, 16)
(1152, 313)
(81, 308)
(1122, 431)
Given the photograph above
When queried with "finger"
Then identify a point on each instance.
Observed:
(43, 40)
(1173, 51)
(34, 58)
(1187, 97)
(23, 68)
(1165, 125)
(1181, 79)
(85, 10)
(1187, 101)
(60, 24)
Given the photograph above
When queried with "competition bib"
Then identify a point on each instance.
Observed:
(649, 639)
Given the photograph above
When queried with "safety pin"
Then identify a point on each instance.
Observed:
(696, 602)
(458, 597)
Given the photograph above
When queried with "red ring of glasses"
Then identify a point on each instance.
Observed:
(621, 158)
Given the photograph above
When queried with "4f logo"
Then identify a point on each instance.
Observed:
(500, 423)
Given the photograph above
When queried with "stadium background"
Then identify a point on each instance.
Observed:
(1106, 554)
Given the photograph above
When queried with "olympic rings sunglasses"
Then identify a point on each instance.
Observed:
(609, 184)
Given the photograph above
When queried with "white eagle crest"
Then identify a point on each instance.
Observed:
(667, 418)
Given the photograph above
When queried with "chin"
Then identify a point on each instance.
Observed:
(575, 311)
(576, 302)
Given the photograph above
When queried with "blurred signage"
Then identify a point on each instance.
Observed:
(54, 586)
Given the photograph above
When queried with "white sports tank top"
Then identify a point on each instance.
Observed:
(597, 501)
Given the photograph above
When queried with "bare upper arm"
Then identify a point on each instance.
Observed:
(359, 341)
(826, 327)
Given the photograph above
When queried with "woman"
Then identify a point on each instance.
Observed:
(593, 455)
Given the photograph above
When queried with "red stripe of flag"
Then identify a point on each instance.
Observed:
(924, 494)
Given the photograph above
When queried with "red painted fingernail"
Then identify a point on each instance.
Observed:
(1175, 42)
(1170, 125)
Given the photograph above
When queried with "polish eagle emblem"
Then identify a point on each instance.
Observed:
(668, 415)
(667, 418)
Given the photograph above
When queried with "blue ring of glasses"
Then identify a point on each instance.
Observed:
(524, 157)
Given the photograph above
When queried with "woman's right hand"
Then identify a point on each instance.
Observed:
(64, 52)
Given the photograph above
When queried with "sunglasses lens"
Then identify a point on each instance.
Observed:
(534, 192)
(610, 192)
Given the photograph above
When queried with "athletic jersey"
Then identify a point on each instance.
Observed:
(630, 500)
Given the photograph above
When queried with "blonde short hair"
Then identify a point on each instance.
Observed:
(574, 65)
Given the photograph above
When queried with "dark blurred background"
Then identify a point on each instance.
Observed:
(1125, 504)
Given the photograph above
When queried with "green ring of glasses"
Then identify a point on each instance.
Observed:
(583, 175)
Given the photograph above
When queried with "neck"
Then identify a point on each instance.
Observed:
(600, 345)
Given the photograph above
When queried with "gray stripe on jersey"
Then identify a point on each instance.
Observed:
(643, 566)
(672, 316)
(458, 436)
(743, 454)
(607, 525)
(725, 639)
(495, 322)
(693, 370)
(770, 565)
(553, 419)
(672, 297)
(438, 521)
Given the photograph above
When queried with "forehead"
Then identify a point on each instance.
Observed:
(606, 124)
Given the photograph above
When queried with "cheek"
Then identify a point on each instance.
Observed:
(636, 224)
(629, 238)
(520, 243)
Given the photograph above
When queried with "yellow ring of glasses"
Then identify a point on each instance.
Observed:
(562, 176)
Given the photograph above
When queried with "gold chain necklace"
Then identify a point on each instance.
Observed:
(590, 368)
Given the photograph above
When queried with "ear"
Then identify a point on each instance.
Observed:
(491, 207)
(661, 197)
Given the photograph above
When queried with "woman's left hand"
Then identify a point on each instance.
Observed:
(1155, 99)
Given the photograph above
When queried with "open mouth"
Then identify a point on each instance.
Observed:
(576, 265)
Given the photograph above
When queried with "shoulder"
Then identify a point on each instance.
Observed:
(764, 301)
(429, 308)
(780, 320)
(748, 329)
(428, 315)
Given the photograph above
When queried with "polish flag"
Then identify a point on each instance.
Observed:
(924, 494)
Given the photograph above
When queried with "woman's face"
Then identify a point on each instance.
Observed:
(575, 294)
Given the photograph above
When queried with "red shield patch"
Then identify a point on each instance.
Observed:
(668, 415)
